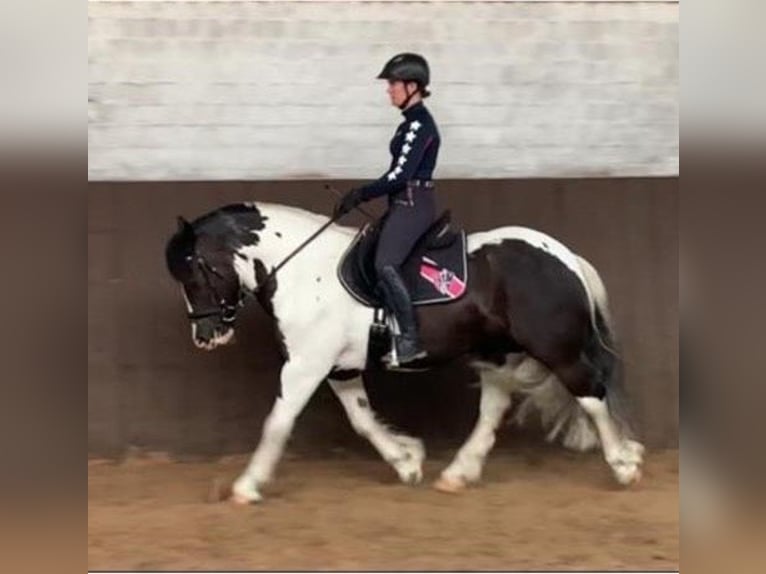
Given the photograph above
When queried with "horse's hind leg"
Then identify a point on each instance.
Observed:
(624, 456)
(495, 399)
(404, 453)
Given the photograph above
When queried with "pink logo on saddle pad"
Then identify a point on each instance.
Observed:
(445, 281)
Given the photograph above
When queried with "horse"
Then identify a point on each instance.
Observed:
(534, 322)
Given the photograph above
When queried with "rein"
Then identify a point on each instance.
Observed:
(295, 252)
(313, 236)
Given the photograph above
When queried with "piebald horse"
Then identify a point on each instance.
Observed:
(534, 320)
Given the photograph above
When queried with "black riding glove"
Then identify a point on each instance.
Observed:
(348, 202)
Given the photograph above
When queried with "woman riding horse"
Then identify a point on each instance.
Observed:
(408, 185)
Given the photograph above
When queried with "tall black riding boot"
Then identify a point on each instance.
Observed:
(398, 300)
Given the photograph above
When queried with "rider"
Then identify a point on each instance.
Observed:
(410, 190)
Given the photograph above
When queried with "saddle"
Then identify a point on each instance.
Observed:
(436, 271)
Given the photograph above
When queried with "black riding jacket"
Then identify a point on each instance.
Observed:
(414, 149)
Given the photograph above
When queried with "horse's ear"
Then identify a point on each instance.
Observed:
(184, 226)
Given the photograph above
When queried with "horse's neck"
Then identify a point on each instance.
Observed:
(285, 229)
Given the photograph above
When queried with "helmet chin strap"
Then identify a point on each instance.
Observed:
(409, 97)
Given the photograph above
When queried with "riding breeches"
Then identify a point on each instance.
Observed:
(409, 216)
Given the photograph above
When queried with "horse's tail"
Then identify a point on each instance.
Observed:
(601, 354)
(561, 415)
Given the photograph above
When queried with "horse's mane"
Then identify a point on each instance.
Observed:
(220, 214)
(228, 220)
(252, 207)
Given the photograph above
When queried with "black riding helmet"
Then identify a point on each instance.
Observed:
(408, 67)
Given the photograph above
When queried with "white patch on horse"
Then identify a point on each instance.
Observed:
(245, 268)
(625, 456)
(190, 310)
(305, 325)
(186, 300)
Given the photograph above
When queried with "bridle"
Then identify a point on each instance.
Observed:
(225, 311)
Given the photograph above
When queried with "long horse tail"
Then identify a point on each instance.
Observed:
(561, 416)
(602, 354)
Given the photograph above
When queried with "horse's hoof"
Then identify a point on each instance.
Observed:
(450, 485)
(410, 475)
(628, 475)
(243, 496)
(636, 478)
(627, 466)
(413, 478)
(243, 500)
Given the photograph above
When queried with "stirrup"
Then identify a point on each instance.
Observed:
(420, 355)
(388, 358)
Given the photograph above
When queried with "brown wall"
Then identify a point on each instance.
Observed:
(148, 387)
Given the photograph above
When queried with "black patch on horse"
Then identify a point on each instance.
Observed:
(343, 375)
(244, 227)
(221, 224)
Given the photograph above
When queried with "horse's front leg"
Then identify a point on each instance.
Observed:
(299, 379)
(402, 452)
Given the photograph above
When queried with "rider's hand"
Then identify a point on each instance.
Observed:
(348, 202)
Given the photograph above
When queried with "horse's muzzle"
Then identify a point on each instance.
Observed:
(217, 340)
